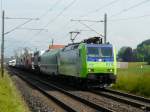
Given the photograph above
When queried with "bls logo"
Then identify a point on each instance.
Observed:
(109, 64)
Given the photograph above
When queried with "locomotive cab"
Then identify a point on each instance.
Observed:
(101, 63)
(101, 55)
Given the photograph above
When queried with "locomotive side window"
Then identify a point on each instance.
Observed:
(39, 58)
(75, 46)
(67, 48)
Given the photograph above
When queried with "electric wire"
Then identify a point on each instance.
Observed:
(66, 8)
(17, 27)
(50, 9)
(100, 8)
(129, 8)
(86, 20)
(45, 13)
(129, 18)
(32, 29)
(22, 18)
(54, 19)
(90, 28)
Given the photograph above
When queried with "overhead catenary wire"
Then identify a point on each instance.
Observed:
(71, 26)
(129, 18)
(86, 20)
(50, 9)
(119, 19)
(129, 8)
(57, 16)
(22, 18)
(100, 8)
(32, 29)
(44, 14)
(17, 27)
(90, 28)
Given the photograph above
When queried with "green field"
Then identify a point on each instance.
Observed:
(10, 99)
(135, 79)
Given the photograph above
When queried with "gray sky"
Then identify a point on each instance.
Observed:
(128, 21)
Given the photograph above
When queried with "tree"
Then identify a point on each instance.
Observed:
(143, 50)
(141, 53)
(125, 54)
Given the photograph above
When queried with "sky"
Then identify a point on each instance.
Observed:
(128, 22)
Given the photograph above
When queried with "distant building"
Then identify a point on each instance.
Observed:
(123, 65)
(56, 46)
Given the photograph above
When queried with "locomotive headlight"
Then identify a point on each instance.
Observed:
(99, 60)
(90, 70)
(90, 67)
(110, 70)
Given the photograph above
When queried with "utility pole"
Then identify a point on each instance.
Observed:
(3, 34)
(71, 35)
(52, 41)
(105, 28)
(2, 45)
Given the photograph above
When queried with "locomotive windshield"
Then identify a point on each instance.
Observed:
(100, 52)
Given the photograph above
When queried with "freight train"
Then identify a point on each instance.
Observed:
(89, 62)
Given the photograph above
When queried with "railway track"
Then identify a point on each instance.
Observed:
(43, 86)
(124, 98)
(133, 100)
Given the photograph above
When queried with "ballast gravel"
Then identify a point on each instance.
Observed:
(35, 100)
(111, 104)
(100, 100)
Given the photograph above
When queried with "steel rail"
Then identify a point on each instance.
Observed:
(126, 100)
(133, 100)
(142, 99)
(86, 102)
(61, 104)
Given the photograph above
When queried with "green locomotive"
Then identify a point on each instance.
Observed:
(89, 62)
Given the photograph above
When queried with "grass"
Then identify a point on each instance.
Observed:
(135, 79)
(10, 99)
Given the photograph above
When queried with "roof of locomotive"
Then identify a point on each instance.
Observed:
(92, 44)
(51, 51)
(99, 45)
(91, 40)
